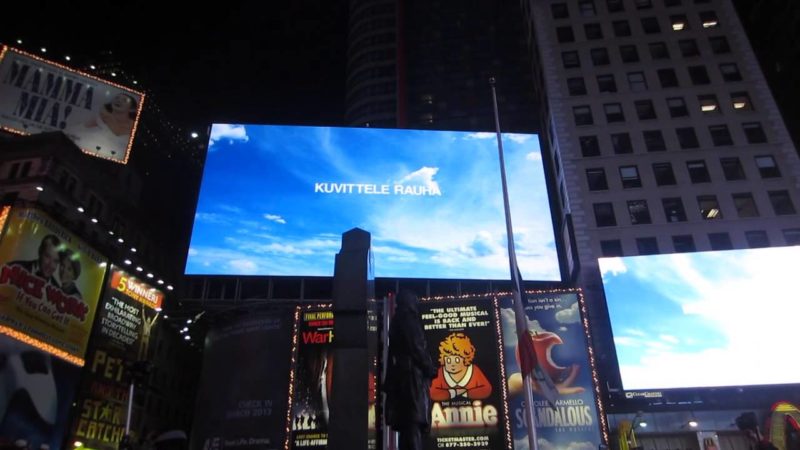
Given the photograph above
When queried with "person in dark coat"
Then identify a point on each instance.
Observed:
(409, 374)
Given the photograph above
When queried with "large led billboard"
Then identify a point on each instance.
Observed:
(275, 200)
(708, 319)
(38, 96)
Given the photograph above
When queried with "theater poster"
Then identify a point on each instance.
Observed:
(125, 319)
(468, 393)
(39, 96)
(244, 383)
(309, 412)
(50, 282)
(555, 325)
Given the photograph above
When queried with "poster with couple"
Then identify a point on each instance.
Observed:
(50, 282)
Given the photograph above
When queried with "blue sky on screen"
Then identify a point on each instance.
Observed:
(271, 202)
(724, 318)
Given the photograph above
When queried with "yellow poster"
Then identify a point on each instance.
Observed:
(50, 282)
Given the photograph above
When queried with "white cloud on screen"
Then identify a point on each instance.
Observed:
(423, 176)
(611, 267)
(275, 218)
(230, 133)
(481, 135)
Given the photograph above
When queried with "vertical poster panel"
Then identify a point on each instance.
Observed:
(244, 384)
(313, 371)
(125, 319)
(50, 282)
(373, 338)
(468, 392)
(38, 96)
(37, 392)
(556, 329)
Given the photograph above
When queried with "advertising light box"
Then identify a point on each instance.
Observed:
(39, 96)
(275, 200)
(708, 319)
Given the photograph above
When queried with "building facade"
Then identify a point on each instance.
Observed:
(426, 65)
(662, 133)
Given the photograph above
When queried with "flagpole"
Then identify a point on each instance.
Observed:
(519, 310)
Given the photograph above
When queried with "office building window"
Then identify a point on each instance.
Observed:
(709, 207)
(647, 246)
(781, 203)
(621, 143)
(615, 6)
(667, 77)
(621, 28)
(593, 31)
(698, 172)
(604, 215)
(613, 112)
(645, 109)
(630, 177)
(732, 168)
(730, 72)
(709, 19)
(658, 50)
(756, 238)
(720, 241)
(687, 138)
(637, 81)
(583, 115)
(587, 9)
(559, 10)
(589, 146)
(767, 166)
(643, 4)
(679, 22)
(688, 48)
(654, 141)
(597, 179)
(570, 59)
(677, 107)
(628, 53)
(611, 247)
(606, 83)
(745, 204)
(720, 135)
(650, 25)
(719, 45)
(673, 209)
(672, 3)
(683, 243)
(792, 236)
(576, 86)
(708, 104)
(754, 133)
(599, 56)
(565, 34)
(663, 174)
(741, 101)
(638, 211)
(699, 75)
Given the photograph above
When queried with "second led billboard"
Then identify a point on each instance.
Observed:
(275, 200)
(706, 319)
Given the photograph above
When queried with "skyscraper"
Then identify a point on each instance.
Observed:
(417, 64)
(663, 133)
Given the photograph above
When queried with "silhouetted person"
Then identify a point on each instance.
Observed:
(409, 374)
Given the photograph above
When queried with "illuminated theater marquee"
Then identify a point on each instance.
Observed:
(275, 200)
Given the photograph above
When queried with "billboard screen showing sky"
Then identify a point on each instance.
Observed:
(275, 200)
(726, 318)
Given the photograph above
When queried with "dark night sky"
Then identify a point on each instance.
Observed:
(273, 62)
